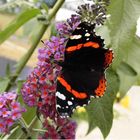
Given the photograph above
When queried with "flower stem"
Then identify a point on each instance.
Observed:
(23, 123)
(27, 56)
(24, 127)
(39, 130)
(27, 131)
(32, 123)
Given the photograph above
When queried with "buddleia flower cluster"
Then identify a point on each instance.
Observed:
(40, 87)
(95, 13)
(10, 110)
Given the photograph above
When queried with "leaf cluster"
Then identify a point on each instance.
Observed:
(119, 33)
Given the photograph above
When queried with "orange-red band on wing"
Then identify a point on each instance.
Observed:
(108, 58)
(79, 46)
(80, 95)
(73, 48)
(91, 44)
(101, 87)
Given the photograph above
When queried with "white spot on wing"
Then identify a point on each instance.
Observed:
(72, 98)
(58, 106)
(75, 37)
(70, 103)
(78, 28)
(87, 34)
(60, 96)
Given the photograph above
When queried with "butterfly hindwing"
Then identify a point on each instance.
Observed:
(100, 90)
(108, 58)
(74, 88)
(67, 102)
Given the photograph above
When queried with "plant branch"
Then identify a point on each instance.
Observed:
(39, 130)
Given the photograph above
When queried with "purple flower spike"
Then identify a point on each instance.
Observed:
(65, 129)
(40, 86)
(10, 111)
(65, 29)
(53, 50)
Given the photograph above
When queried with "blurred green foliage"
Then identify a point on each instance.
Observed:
(125, 71)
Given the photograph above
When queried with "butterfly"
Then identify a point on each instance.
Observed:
(83, 70)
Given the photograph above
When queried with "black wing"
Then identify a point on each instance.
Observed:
(74, 88)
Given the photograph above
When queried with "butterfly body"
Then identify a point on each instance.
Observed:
(83, 70)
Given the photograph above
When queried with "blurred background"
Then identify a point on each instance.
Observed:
(126, 124)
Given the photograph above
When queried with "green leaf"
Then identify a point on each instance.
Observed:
(45, 7)
(128, 77)
(3, 83)
(134, 55)
(127, 69)
(126, 81)
(100, 111)
(122, 24)
(133, 60)
(17, 23)
(31, 111)
(30, 114)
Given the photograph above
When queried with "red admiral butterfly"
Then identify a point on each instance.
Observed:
(82, 70)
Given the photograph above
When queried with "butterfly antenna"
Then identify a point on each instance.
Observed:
(42, 41)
